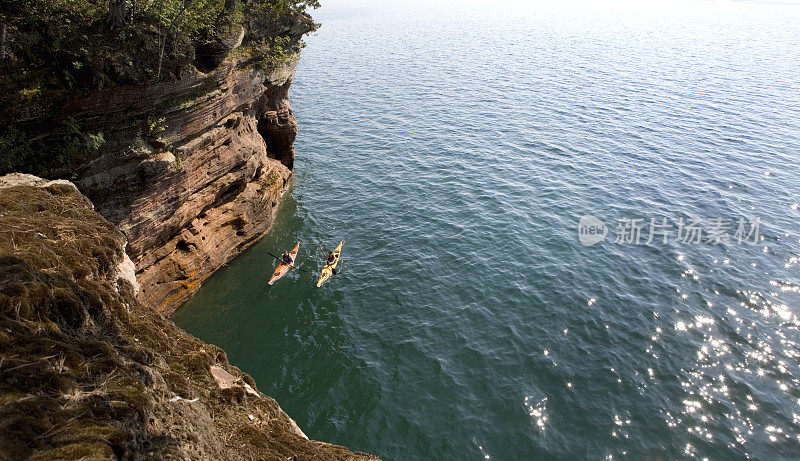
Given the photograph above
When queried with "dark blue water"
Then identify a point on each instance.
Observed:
(455, 146)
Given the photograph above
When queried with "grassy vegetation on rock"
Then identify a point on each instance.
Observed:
(53, 52)
(57, 46)
(88, 373)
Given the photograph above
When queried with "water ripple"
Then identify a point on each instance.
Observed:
(454, 147)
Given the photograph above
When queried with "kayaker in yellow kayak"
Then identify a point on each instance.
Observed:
(331, 260)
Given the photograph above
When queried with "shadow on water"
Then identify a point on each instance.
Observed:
(281, 334)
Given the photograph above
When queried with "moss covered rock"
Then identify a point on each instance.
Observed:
(86, 372)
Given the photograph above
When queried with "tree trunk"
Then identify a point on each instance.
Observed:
(162, 43)
(230, 5)
(116, 13)
(3, 43)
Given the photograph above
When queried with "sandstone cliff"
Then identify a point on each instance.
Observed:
(191, 208)
(87, 372)
(191, 169)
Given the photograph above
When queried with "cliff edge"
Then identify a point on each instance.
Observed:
(185, 143)
(87, 372)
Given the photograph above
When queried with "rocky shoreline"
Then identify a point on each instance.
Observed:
(191, 169)
(88, 372)
(190, 173)
(201, 184)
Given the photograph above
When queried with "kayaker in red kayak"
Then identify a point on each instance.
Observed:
(285, 258)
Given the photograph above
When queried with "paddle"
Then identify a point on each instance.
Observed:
(290, 267)
(333, 269)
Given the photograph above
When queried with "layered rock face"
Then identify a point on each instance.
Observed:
(192, 171)
(87, 372)
(190, 209)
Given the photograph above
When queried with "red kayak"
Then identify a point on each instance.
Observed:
(282, 268)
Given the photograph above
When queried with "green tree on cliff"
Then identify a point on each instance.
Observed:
(58, 45)
(53, 51)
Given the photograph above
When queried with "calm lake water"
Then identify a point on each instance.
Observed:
(455, 146)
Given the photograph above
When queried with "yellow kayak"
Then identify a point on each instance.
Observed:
(327, 271)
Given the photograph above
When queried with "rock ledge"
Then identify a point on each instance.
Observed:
(87, 372)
